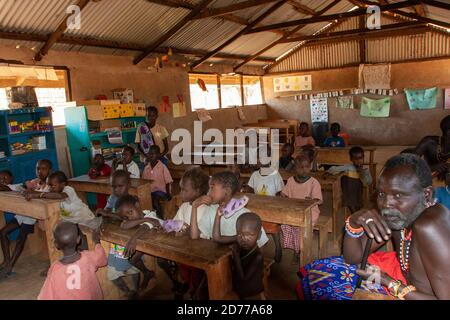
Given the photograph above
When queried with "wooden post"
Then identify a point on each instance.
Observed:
(242, 90)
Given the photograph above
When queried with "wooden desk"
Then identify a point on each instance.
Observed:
(48, 210)
(286, 211)
(138, 187)
(213, 258)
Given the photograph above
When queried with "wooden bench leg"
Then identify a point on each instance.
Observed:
(323, 242)
(220, 285)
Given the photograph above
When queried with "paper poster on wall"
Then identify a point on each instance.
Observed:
(345, 102)
(375, 108)
(179, 109)
(203, 115)
(164, 106)
(373, 77)
(295, 83)
(447, 98)
(241, 114)
(421, 98)
(319, 110)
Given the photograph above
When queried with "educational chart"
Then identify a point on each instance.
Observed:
(421, 98)
(295, 83)
(375, 77)
(345, 102)
(203, 115)
(447, 99)
(375, 108)
(319, 110)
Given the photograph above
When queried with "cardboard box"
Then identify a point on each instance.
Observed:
(95, 112)
(139, 109)
(84, 103)
(111, 111)
(107, 124)
(126, 110)
(124, 95)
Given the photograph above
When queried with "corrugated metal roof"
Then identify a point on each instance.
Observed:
(142, 22)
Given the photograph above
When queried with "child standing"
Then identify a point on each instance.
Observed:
(25, 224)
(156, 171)
(127, 164)
(73, 276)
(99, 169)
(304, 138)
(268, 182)
(356, 178)
(300, 186)
(248, 261)
(334, 141)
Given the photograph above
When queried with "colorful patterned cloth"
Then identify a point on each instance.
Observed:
(331, 279)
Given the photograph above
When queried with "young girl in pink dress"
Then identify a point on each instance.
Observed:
(300, 186)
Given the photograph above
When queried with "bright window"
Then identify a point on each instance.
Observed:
(252, 90)
(3, 99)
(208, 99)
(230, 89)
(55, 98)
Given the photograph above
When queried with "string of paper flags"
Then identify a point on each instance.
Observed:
(339, 93)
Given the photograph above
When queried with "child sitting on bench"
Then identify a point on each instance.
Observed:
(73, 277)
(99, 170)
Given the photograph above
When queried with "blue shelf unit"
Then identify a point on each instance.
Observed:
(80, 135)
(23, 166)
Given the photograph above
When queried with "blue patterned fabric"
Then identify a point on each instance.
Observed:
(332, 279)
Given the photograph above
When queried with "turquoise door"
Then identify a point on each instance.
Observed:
(78, 140)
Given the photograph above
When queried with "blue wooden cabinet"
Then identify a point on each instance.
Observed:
(23, 163)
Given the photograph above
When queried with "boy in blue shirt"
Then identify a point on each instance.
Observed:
(442, 194)
(334, 141)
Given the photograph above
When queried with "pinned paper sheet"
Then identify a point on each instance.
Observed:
(114, 136)
(203, 115)
(345, 102)
(179, 109)
(375, 76)
(447, 99)
(241, 114)
(164, 106)
(421, 98)
(319, 110)
(375, 108)
(296, 83)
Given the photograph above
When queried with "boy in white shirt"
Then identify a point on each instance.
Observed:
(127, 164)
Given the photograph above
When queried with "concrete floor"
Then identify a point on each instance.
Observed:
(27, 282)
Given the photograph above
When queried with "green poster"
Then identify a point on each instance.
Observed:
(375, 108)
(421, 98)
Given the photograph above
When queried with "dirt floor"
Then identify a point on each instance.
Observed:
(27, 282)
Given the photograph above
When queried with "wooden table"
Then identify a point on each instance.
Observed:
(287, 211)
(138, 187)
(47, 210)
(213, 258)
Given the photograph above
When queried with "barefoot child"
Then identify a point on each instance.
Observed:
(126, 163)
(300, 186)
(129, 209)
(156, 171)
(73, 276)
(99, 169)
(25, 224)
(248, 261)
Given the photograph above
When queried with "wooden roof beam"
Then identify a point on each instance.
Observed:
(337, 16)
(292, 32)
(266, 13)
(215, 12)
(199, 8)
(301, 8)
(53, 38)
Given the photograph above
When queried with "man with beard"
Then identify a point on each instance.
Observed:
(419, 228)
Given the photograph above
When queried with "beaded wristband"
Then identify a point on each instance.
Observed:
(405, 291)
(352, 232)
(394, 287)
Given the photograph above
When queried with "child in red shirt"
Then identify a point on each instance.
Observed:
(73, 276)
(100, 169)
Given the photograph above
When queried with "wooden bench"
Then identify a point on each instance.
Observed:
(324, 226)
(213, 258)
(138, 187)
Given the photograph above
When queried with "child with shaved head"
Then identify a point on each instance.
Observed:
(73, 276)
(248, 261)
